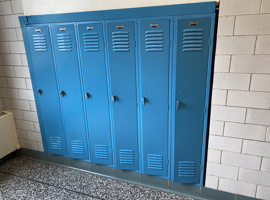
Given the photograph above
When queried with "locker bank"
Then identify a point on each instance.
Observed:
(125, 88)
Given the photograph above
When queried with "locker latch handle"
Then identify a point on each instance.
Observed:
(87, 95)
(113, 98)
(177, 105)
(143, 101)
(39, 91)
(62, 93)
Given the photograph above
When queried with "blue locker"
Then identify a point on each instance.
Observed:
(95, 88)
(154, 75)
(45, 84)
(64, 43)
(122, 68)
(192, 38)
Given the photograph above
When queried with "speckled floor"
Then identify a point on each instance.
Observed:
(27, 179)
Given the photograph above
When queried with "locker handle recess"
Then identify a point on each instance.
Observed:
(39, 91)
(113, 98)
(143, 101)
(177, 105)
(87, 95)
(62, 93)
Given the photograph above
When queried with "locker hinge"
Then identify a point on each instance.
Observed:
(200, 168)
(168, 161)
(170, 42)
(168, 107)
(135, 43)
(209, 42)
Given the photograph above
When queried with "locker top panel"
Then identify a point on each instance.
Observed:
(168, 10)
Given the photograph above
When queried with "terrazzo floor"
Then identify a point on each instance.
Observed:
(27, 179)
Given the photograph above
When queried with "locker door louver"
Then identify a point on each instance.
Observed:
(126, 156)
(187, 169)
(40, 43)
(101, 151)
(120, 41)
(56, 143)
(77, 147)
(155, 161)
(64, 42)
(154, 40)
(192, 40)
(91, 42)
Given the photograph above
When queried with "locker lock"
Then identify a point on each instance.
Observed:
(62, 93)
(39, 91)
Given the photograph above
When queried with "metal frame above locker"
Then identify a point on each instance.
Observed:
(171, 12)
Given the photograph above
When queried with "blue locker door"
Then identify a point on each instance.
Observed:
(154, 68)
(191, 78)
(64, 43)
(122, 67)
(96, 93)
(44, 81)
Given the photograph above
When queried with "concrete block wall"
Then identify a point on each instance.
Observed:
(16, 93)
(239, 141)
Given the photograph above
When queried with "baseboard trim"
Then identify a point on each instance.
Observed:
(187, 190)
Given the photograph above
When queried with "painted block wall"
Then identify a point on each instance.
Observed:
(32, 7)
(15, 83)
(239, 142)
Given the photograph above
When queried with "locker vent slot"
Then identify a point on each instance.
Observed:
(101, 151)
(126, 156)
(40, 42)
(120, 41)
(154, 40)
(155, 161)
(56, 143)
(64, 42)
(77, 147)
(187, 169)
(91, 42)
(192, 40)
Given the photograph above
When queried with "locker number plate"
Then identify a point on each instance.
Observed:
(193, 23)
(154, 25)
(120, 26)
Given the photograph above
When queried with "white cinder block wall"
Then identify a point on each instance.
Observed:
(16, 93)
(239, 143)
